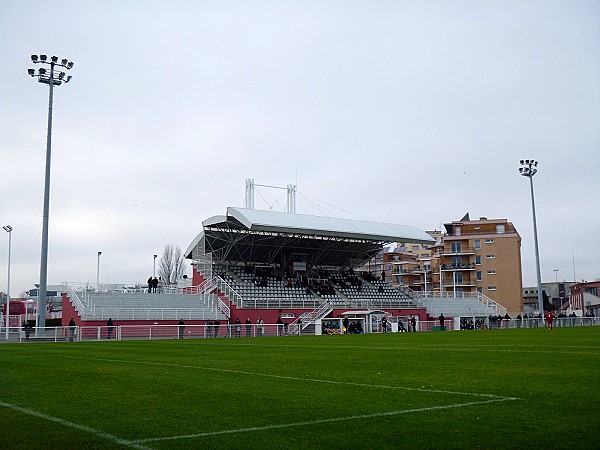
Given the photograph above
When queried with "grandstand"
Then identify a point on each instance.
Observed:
(280, 267)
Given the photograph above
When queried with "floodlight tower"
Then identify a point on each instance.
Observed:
(8, 229)
(53, 78)
(529, 169)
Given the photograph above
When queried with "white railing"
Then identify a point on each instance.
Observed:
(90, 310)
(421, 298)
(310, 317)
(117, 313)
(76, 301)
(151, 332)
(497, 307)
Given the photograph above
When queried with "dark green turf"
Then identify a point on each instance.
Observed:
(525, 388)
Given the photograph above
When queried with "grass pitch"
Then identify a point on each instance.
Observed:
(526, 388)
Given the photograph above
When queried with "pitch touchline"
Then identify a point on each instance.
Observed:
(440, 348)
(102, 434)
(316, 422)
(284, 377)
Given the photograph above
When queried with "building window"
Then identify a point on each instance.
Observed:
(491, 288)
(489, 241)
(456, 247)
(478, 275)
(490, 256)
(491, 272)
(478, 260)
(476, 227)
(477, 244)
(479, 290)
(500, 229)
(457, 231)
(415, 248)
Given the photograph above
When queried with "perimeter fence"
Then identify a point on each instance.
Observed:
(152, 332)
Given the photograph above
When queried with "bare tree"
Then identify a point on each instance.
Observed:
(170, 266)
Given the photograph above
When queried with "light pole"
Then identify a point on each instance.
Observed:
(529, 169)
(555, 275)
(51, 79)
(154, 267)
(8, 229)
(98, 273)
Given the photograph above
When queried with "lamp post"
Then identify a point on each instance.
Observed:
(8, 229)
(529, 169)
(51, 79)
(555, 275)
(98, 273)
(154, 267)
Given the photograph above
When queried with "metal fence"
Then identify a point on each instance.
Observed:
(224, 330)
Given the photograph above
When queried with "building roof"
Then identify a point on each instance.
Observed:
(256, 235)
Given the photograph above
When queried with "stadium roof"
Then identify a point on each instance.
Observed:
(252, 235)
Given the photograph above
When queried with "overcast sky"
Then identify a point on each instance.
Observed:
(407, 112)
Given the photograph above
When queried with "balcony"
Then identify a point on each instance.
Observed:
(457, 267)
(457, 251)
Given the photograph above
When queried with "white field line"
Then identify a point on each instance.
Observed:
(534, 349)
(86, 429)
(284, 377)
(317, 422)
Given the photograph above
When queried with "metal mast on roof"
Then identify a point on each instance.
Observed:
(291, 195)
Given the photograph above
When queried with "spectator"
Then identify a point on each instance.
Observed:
(238, 327)
(72, 328)
(248, 327)
(261, 327)
(27, 328)
(109, 327)
(181, 327)
(413, 323)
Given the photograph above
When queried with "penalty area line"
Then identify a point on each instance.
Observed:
(76, 426)
(321, 421)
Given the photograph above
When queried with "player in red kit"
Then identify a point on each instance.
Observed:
(549, 318)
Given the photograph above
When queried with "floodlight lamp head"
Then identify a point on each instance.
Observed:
(43, 57)
(68, 79)
(64, 62)
(34, 58)
(31, 72)
(61, 75)
(70, 65)
(7, 228)
(535, 163)
(42, 71)
(55, 59)
(522, 162)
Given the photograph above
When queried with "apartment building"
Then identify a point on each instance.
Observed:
(470, 256)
